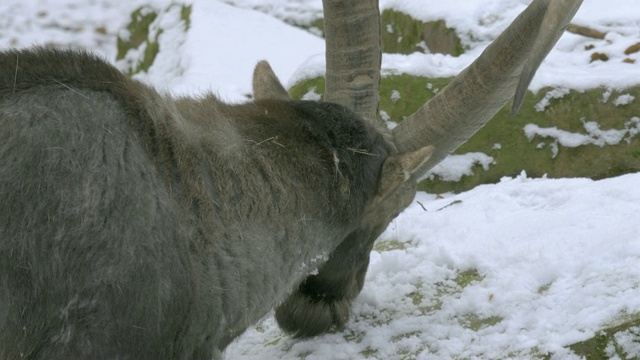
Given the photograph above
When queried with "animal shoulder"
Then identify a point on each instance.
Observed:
(25, 69)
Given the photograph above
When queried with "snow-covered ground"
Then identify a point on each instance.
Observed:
(552, 261)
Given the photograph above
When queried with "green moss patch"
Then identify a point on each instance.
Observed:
(138, 34)
(402, 34)
(477, 323)
(389, 245)
(143, 37)
(620, 341)
(468, 277)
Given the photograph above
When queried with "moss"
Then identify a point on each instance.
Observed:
(604, 342)
(442, 290)
(407, 335)
(544, 289)
(315, 27)
(300, 89)
(503, 138)
(467, 277)
(139, 35)
(369, 352)
(389, 245)
(477, 323)
(402, 34)
(150, 53)
(138, 29)
(594, 348)
(185, 15)
(401, 95)
(416, 297)
(351, 336)
(516, 153)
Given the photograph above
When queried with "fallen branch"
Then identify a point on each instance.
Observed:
(585, 31)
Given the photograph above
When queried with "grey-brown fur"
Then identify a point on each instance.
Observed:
(323, 301)
(134, 225)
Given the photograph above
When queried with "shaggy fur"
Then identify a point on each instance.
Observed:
(134, 225)
(322, 302)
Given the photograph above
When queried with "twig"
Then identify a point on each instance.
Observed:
(585, 31)
(452, 203)
(272, 139)
(15, 76)
(362, 151)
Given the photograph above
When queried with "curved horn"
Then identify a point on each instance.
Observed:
(558, 14)
(458, 111)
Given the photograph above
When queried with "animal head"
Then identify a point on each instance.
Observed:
(419, 142)
(397, 170)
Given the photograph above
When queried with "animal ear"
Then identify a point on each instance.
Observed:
(266, 85)
(398, 169)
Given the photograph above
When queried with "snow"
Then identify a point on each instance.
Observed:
(264, 39)
(594, 135)
(625, 99)
(556, 93)
(202, 60)
(395, 96)
(454, 167)
(477, 22)
(553, 261)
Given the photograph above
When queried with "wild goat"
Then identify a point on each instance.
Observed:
(136, 225)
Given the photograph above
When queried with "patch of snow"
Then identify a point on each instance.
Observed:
(312, 95)
(170, 31)
(384, 115)
(625, 99)
(314, 66)
(299, 12)
(554, 149)
(606, 95)
(557, 93)
(223, 63)
(594, 135)
(454, 167)
(556, 259)
(395, 96)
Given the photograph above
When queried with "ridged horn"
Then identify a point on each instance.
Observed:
(352, 33)
(505, 68)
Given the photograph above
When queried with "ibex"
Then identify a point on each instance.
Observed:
(135, 225)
